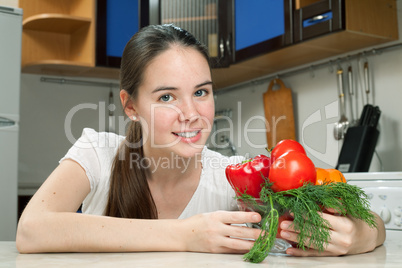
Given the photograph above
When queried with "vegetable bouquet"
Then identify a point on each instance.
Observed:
(287, 183)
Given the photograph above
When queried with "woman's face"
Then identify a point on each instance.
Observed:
(175, 103)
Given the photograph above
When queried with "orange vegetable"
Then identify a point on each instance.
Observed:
(329, 175)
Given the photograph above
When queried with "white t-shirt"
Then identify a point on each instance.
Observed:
(95, 152)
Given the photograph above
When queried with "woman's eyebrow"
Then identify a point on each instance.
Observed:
(175, 88)
(163, 88)
(204, 84)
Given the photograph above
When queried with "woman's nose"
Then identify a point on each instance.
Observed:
(189, 112)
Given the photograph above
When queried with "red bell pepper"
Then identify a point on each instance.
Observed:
(248, 176)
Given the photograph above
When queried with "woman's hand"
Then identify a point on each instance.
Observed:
(348, 236)
(214, 232)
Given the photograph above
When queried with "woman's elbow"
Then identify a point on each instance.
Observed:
(25, 238)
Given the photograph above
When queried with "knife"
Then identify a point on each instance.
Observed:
(363, 117)
(375, 117)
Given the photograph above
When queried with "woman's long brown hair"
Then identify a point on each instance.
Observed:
(129, 193)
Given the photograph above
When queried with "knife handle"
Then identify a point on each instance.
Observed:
(350, 80)
(375, 117)
(364, 115)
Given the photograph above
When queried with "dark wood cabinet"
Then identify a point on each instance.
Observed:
(233, 30)
(318, 18)
(247, 39)
(352, 25)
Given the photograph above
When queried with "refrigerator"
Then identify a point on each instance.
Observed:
(10, 72)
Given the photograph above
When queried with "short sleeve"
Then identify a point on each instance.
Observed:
(85, 154)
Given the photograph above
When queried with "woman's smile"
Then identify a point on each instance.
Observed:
(189, 136)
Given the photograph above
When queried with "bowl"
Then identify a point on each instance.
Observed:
(256, 205)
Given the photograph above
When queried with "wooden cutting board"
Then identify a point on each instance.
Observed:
(278, 106)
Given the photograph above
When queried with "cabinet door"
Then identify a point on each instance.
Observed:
(317, 18)
(208, 20)
(261, 26)
(117, 22)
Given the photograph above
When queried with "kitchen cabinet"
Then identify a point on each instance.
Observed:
(261, 26)
(208, 20)
(232, 29)
(318, 18)
(365, 23)
(58, 36)
(117, 22)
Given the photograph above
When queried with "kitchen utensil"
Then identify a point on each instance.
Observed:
(351, 95)
(370, 116)
(358, 149)
(367, 82)
(360, 142)
(278, 106)
(342, 125)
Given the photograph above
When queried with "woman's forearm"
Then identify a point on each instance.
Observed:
(74, 232)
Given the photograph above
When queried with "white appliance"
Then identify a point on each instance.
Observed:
(384, 190)
(10, 69)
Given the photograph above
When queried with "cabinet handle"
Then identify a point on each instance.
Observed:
(222, 47)
(5, 122)
(228, 45)
(317, 18)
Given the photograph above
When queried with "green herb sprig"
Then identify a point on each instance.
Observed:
(305, 204)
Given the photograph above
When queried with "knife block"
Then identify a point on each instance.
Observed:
(358, 149)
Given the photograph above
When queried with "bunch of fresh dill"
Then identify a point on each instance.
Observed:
(305, 204)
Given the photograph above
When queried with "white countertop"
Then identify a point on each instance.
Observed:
(388, 255)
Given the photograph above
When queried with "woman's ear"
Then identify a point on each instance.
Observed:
(128, 104)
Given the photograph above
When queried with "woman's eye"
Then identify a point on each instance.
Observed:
(166, 98)
(200, 93)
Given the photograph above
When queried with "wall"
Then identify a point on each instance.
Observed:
(52, 117)
(316, 92)
(9, 3)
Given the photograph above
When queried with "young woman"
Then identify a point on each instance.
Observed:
(159, 188)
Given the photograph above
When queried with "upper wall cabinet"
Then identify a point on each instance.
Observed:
(246, 39)
(58, 36)
(322, 29)
(251, 37)
(231, 28)
(117, 22)
(208, 20)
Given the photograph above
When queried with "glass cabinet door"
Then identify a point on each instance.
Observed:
(116, 23)
(206, 19)
(261, 26)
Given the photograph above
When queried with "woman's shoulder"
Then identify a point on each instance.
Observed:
(91, 138)
(94, 151)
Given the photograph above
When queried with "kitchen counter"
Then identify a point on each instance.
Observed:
(388, 255)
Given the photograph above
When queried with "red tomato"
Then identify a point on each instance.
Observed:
(247, 177)
(291, 171)
(285, 146)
